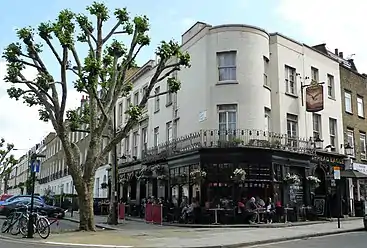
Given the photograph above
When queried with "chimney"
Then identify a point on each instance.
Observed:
(341, 55)
(336, 52)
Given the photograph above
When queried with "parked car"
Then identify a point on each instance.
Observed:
(365, 222)
(19, 197)
(3, 197)
(50, 211)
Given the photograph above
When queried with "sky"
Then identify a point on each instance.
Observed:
(334, 22)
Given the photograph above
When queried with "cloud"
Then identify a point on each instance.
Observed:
(335, 22)
(20, 124)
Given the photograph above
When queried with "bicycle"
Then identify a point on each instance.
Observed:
(11, 224)
(41, 225)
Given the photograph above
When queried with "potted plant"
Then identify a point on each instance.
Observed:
(237, 141)
(239, 175)
(315, 181)
(104, 185)
(197, 175)
(291, 179)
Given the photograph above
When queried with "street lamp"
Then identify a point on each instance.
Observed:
(348, 149)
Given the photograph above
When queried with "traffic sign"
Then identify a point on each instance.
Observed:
(336, 172)
(35, 166)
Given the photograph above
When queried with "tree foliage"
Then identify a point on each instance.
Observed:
(7, 160)
(101, 73)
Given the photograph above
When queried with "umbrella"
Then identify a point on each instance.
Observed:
(352, 174)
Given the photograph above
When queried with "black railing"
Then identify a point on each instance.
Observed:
(229, 138)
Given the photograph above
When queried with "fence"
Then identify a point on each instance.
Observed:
(154, 213)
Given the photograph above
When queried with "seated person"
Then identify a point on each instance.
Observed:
(250, 210)
(270, 211)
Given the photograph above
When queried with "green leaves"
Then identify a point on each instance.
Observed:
(78, 117)
(171, 49)
(64, 28)
(12, 52)
(122, 15)
(116, 49)
(134, 112)
(6, 161)
(174, 85)
(100, 10)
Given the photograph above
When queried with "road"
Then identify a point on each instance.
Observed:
(64, 225)
(20, 244)
(346, 240)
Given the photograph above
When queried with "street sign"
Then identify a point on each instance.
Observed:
(35, 166)
(336, 172)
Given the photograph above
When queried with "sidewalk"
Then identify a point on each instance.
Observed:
(161, 236)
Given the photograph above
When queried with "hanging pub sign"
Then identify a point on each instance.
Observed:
(314, 98)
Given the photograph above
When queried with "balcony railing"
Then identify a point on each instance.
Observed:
(226, 139)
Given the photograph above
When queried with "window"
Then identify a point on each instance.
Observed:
(97, 188)
(348, 101)
(156, 105)
(266, 71)
(330, 86)
(290, 80)
(362, 138)
(226, 66)
(169, 131)
(128, 105)
(135, 144)
(136, 99)
(314, 74)
(267, 120)
(360, 107)
(121, 112)
(127, 145)
(332, 132)
(350, 139)
(169, 95)
(292, 129)
(156, 136)
(316, 120)
(227, 119)
(145, 89)
(175, 129)
(144, 138)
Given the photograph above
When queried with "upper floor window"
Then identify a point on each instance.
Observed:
(136, 98)
(350, 139)
(156, 103)
(168, 95)
(315, 74)
(290, 80)
(292, 129)
(332, 133)
(316, 119)
(135, 143)
(362, 137)
(266, 71)
(227, 66)
(121, 112)
(348, 101)
(169, 131)
(144, 138)
(156, 136)
(128, 105)
(227, 117)
(267, 119)
(360, 106)
(330, 86)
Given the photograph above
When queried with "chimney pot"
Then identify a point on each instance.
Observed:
(341, 54)
(336, 52)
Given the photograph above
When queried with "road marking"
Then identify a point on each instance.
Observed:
(88, 245)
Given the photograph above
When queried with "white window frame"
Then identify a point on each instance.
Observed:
(156, 102)
(290, 80)
(314, 74)
(156, 136)
(135, 143)
(144, 138)
(317, 126)
(330, 86)
(360, 106)
(292, 129)
(169, 95)
(350, 139)
(231, 67)
(127, 145)
(169, 133)
(333, 133)
(121, 112)
(362, 139)
(128, 104)
(348, 101)
(227, 109)
(266, 71)
(136, 98)
(267, 116)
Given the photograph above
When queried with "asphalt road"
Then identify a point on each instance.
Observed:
(64, 225)
(346, 240)
(20, 244)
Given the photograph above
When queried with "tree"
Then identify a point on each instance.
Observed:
(7, 162)
(101, 75)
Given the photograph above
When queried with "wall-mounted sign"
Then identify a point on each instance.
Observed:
(336, 172)
(314, 98)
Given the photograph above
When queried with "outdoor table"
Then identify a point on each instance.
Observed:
(216, 214)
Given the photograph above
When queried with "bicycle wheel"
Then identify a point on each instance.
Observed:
(15, 230)
(43, 227)
(6, 224)
(23, 225)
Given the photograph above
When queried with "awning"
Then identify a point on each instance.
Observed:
(352, 174)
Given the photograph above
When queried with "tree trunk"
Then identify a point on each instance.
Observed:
(86, 213)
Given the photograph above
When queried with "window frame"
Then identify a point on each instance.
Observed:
(288, 73)
(157, 100)
(156, 136)
(331, 86)
(317, 118)
(169, 131)
(363, 153)
(315, 74)
(360, 104)
(333, 133)
(135, 143)
(350, 100)
(351, 140)
(292, 122)
(221, 67)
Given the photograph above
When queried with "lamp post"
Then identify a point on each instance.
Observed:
(317, 142)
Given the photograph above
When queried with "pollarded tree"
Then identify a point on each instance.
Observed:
(101, 75)
(7, 161)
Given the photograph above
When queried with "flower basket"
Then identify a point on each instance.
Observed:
(104, 185)
(315, 181)
(291, 179)
(198, 175)
(239, 175)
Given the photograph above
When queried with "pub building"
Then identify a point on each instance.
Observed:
(266, 158)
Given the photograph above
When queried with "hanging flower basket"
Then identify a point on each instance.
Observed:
(315, 181)
(239, 175)
(145, 173)
(291, 179)
(198, 175)
(104, 185)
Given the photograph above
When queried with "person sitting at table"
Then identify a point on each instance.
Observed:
(270, 211)
(260, 202)
(250, 210)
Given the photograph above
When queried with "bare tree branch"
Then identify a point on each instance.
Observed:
(113, 30)
(63, 68)
(57, 56)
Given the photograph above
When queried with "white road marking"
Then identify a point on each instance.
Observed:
(87, 245)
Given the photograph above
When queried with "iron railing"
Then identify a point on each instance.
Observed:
(227, 139)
